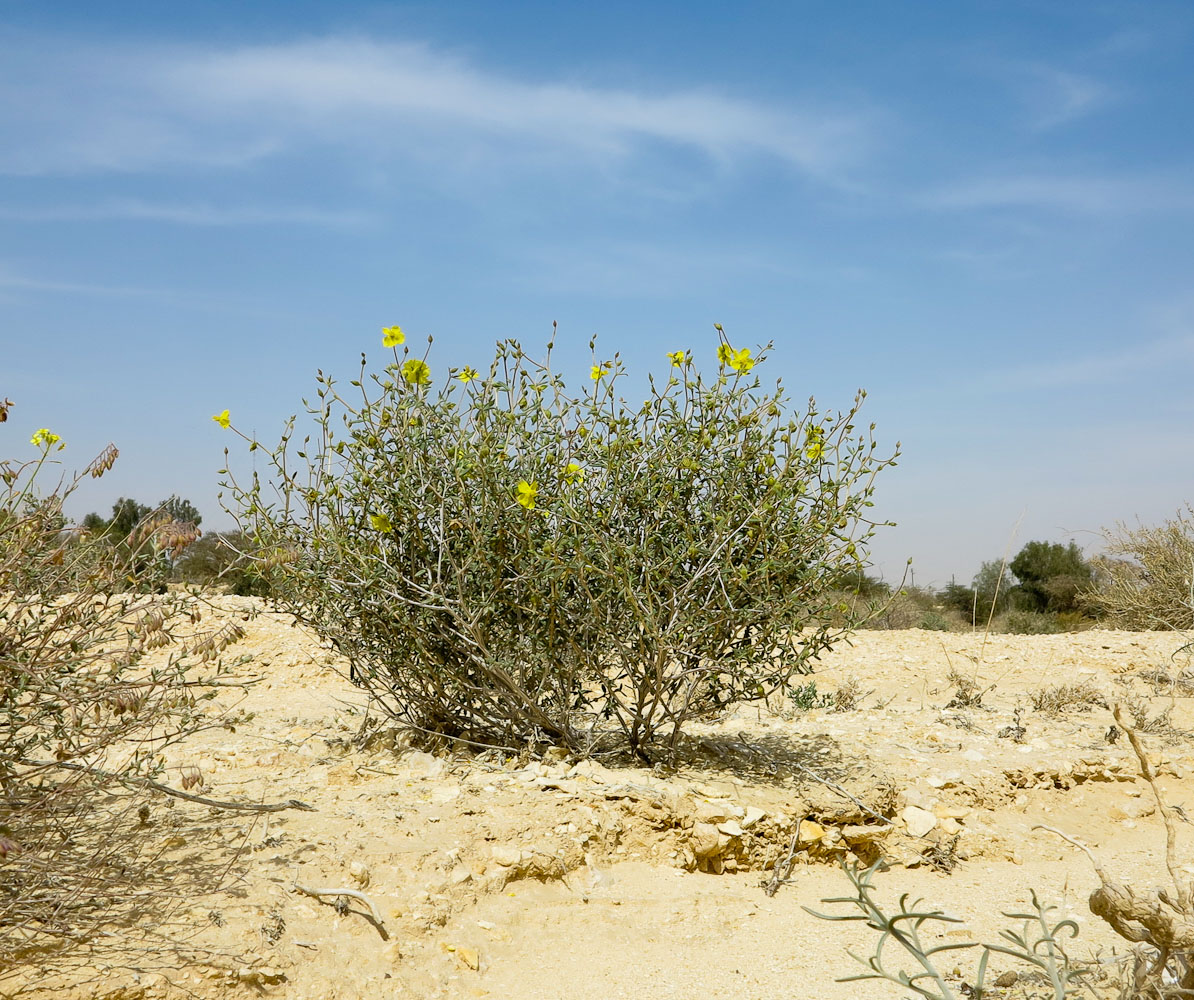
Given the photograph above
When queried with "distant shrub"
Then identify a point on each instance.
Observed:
(224, 560)
(1028, 623)
(1145, 580)
(912, 607)
(501, 560)
(935, 621)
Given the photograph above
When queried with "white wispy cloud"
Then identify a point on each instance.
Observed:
(1056, 97)
(1160, 355)
(95, 108)
(1072, 193)
(14, 281)
(135, 210)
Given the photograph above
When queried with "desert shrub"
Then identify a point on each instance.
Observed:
(1055, 699)
(502, 560)
(935, 621)
(1028, 623)
(82, 718)
(224, 560)
(1145, 579)
(911, 607)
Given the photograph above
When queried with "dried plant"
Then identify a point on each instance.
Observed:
(849, 695)
(1038, 942)
(1159, 920)
(1146, 578)
(1076, 697)
(967, 691)
(86, 708)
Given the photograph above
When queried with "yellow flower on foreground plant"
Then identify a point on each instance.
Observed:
(467, 374)
(725, 353)
(392, 336)
(223, 419)
(46, 438)
(381, 522)
(676, 357)
(416, 372)
(815, 443)
(525, 494)
(573, 473)
(741, 361)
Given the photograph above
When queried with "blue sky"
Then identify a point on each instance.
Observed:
(981, 212)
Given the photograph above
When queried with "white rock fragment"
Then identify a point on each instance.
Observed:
(753, 815)
(920, 822)
(506, 856)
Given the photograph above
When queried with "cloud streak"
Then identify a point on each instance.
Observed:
(1161, 355)
(1072, 194)
(90, 108)
(134, 210)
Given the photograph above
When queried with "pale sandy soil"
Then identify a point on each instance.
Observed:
(564, 879)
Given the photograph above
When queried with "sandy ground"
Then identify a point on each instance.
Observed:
(524, 879)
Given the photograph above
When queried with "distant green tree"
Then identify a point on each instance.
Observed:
(94, 524)
(1051, 576)
(181, 510)
(126, 515)
(992, 584)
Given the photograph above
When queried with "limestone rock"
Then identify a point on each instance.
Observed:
(705, 840)
(810, 832)
(506, 856)
(920, 822)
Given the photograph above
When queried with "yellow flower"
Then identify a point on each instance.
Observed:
(223, 419)
(596, 372)
(815, 443)
(46, 438)
(381, 522)
(526, 493)
(676, 357)
(573, 473)
(392, 336)
(725, 353)
(741, 361)
(467, 374)
(416, 372)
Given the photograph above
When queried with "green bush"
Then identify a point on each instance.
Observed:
(504, 561)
